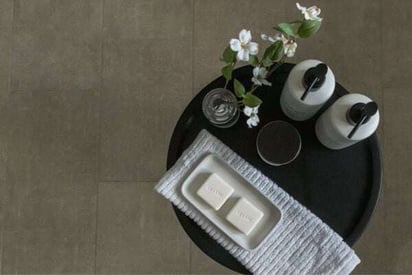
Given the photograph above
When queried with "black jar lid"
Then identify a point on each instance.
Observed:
(278, 143)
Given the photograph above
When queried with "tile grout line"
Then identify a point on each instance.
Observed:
(10, 66)
(382, 193)
(381, 72)
(11, 48)
(99, 131)
(192, 48)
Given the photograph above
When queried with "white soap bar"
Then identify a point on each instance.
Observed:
(215, 191)
(244, 216)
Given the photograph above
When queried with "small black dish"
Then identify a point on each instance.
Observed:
(278, 143)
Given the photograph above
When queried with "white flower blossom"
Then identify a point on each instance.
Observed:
(253, 121)
(249, 111)
(259, 76)
(252, 112)
(290, 48)
(244, 46)
(311, 13)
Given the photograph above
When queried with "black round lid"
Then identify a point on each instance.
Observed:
(278, 143)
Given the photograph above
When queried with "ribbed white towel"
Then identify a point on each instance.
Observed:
(299, 244)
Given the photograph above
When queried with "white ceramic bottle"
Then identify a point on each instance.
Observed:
(309, 85)
(350, 119)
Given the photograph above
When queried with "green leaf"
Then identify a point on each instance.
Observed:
(227, 72)
(229, 56)
(253, 60)
(269, 51)
(286, 28)
(273, 53)
(267, 62)
(308, 28)
(251, 100)
(278, 51)
(239, 88)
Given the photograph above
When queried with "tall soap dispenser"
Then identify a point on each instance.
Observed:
(309, 85)
(350, 119)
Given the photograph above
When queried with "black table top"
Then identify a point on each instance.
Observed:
(340, 187)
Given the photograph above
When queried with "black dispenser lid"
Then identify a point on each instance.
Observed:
(358, 110)
(359, 114)
(314, 78)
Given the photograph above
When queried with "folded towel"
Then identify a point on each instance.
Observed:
(299, 244)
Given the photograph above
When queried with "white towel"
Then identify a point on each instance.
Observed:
(299, 244)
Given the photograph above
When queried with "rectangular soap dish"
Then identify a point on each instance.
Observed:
(211, 163)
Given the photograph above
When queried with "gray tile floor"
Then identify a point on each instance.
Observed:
(90, 91)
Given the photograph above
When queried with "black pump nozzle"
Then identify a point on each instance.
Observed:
(314, 78)
(360, 113)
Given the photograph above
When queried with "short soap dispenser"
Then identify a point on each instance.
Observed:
(350, 119)
(309, 85)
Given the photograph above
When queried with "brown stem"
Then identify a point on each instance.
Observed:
(254, 87)
(274, 68)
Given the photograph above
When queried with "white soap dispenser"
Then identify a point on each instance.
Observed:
(350, 119)
(309, 85)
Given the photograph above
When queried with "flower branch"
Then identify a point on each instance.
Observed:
(282, 45)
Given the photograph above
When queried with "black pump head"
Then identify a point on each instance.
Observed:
(315, 74)
(360, 110)
(359, 114)
(314, 78)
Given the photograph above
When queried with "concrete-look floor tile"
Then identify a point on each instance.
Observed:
(398, 239)
(147, 82)
(397, 145)
(147, 19)
(6, 17)
(397, 173)
(138, 232)
(56, 44)
(47, 252)
(371, 246)
(3, 179)
(218, 21)
(200, 263)
(396, 25)
(51, 188)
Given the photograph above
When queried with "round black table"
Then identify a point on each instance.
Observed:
(340, 187)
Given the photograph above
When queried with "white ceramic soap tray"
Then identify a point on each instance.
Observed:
(211, 163)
